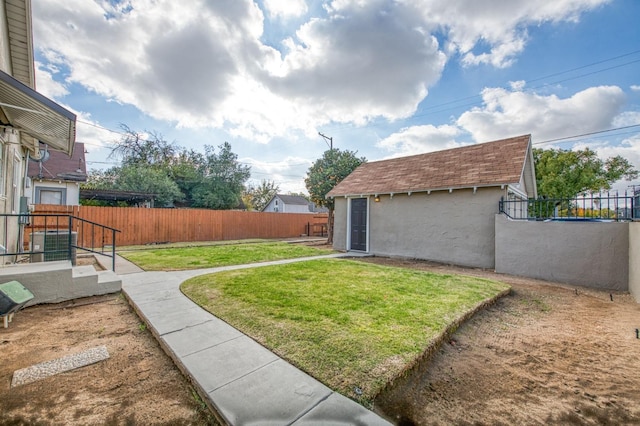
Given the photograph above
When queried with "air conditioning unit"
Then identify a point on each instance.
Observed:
(53, 245)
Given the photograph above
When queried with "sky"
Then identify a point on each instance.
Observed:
(382, 78)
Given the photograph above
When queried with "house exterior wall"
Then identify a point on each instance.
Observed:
(634, 260)
(71, 191)
(5, 64)
(588, 254)
(456, 227)
(281, 207)
(340, 223)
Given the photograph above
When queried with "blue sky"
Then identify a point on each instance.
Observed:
(383, 78)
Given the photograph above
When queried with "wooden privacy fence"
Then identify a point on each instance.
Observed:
(139, 226)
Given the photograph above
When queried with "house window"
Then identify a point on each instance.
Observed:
(45, 195)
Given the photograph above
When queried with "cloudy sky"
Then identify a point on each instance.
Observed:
(385, 78)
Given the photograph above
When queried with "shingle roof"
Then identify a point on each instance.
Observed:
(293, 199)
(59, 166)
(487, 164)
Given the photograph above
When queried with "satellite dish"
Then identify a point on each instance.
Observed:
(44, 155)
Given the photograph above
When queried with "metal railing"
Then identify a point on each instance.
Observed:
(49, 237)
(599, 207)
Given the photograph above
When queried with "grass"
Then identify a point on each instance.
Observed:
(354, 326)
(209, 256)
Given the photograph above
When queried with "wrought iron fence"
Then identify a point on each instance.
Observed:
(49, 237)
(598, 207)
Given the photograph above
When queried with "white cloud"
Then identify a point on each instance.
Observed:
(287, 173)
(627, 118)
(635, 88)
(45, 83)
(421, 139)
(285, 8)
(499, 26)
(203, 63)
(506, 113)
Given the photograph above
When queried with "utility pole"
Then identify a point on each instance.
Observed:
(328, 140)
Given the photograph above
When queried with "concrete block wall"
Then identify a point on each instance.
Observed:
(594, 255)
(634, 260)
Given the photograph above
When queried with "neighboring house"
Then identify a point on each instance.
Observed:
(27, 118)
(56, 177)
(281, 203)
(439, 206)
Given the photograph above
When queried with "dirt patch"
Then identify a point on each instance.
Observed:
(545, 354)
(137, 385)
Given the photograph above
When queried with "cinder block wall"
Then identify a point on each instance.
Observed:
(634, 260)
(588, 254)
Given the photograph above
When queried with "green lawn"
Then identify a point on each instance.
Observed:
(350, 324)
(209, 256)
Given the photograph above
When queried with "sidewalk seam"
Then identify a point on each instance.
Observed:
(304, 413)
(246, 374)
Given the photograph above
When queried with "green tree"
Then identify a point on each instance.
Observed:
(140, 149)
(223, 179)
(565, 174)
(256, 197)
(326, 173)
(138, 178)
(151, 180)
(186, 170)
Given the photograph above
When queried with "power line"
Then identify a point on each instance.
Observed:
(586, 134)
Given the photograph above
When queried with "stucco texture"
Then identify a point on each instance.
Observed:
(634, 260)
(456, 227)
(588, 254)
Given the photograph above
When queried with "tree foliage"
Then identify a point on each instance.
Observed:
(135, 148)
(564, 174)
(256, 197)
(326, 173)
(176, 176)
(223, 179)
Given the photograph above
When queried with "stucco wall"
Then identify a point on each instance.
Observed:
(72, 191)
(588, 254)
(340, 224)
(634, 260)
(455, 227)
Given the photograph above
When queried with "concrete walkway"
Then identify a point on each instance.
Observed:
(242, 380)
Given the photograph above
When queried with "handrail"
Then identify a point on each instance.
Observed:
(50, 229)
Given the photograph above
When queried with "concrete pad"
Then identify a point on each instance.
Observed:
(199, 337)
(174, 320)
(277, 394)
(157, 303)
(219, 365)
(338, 410)
(60, 365)
(146, 296)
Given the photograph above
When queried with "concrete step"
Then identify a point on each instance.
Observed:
(84, 275)
(48, 281)
(109, 282)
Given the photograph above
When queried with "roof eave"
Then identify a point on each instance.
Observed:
(421, 190)
(37, 115)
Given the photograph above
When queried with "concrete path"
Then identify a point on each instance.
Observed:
(243, 381)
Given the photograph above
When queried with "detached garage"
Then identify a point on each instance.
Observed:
(439, 206)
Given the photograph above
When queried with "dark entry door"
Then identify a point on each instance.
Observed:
(359, 224)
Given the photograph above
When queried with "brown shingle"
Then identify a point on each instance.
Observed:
(59, 166)
(487, 164)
